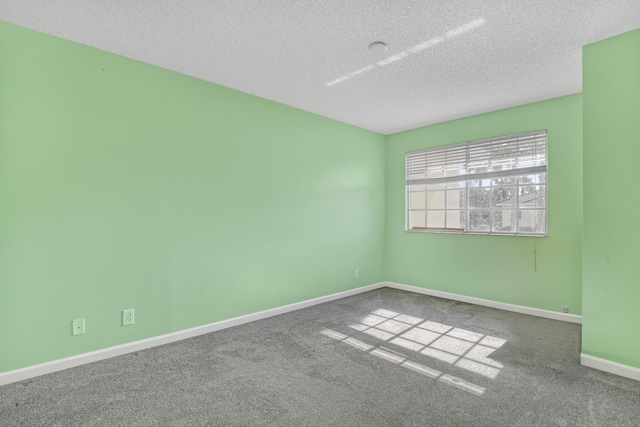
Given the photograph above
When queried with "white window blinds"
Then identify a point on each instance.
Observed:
(488, 159)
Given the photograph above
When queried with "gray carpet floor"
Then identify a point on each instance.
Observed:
(381, 358)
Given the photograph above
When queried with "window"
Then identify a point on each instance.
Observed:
(495, 186)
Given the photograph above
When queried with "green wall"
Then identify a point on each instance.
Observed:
(611, 263)
(123, 185)
(497, 268)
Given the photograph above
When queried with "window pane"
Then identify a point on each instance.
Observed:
(503, 197)
(435, 199)
(532, 221)
(479, 220)
(456, 199)
(533, 179)
(507, 180)
(458, 184)
(416, 219)
(432, 187)
(435, 219)
(479, 197)
(417, 200)
(479, 183)
(455, 219)
(532, 196)
(504, 221)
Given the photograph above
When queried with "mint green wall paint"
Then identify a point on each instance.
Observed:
(119, 189)
(611, 253)
(495, 267)
(124, 185)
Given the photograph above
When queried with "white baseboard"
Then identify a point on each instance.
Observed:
(94, 356)
(565, 317)
(609, 366)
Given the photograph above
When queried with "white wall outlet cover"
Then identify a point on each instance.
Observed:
(128, 317)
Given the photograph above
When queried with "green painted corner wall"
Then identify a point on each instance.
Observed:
(123, 185)
(611, 263)
(497, 268)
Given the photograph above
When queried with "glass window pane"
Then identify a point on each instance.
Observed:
(532, 196)
(417, 200)
(457, 184)
(456, 199)
(479, 197)
(435, 219)
(531, 221)
(479, 221)
(416, 219)
(479, 183)
(507, 180)
(530, 188)
(504, 221)
(533, 179)
(541, 223)
(455, 219)
(435, 199)
(503, 197)
(416, 187)
(473, 183)
(432, 187)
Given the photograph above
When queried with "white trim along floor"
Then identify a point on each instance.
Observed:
(81, 359)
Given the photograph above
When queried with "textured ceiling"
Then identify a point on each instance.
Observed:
(445, 59)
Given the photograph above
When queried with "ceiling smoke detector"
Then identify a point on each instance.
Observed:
(377, 47)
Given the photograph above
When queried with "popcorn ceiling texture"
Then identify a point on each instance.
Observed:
(446, 59)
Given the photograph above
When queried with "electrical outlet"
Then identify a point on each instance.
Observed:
(127, 317)
(77, 327)
(565, 309)
(356, 274)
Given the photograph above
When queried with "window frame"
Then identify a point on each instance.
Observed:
(540, 168)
